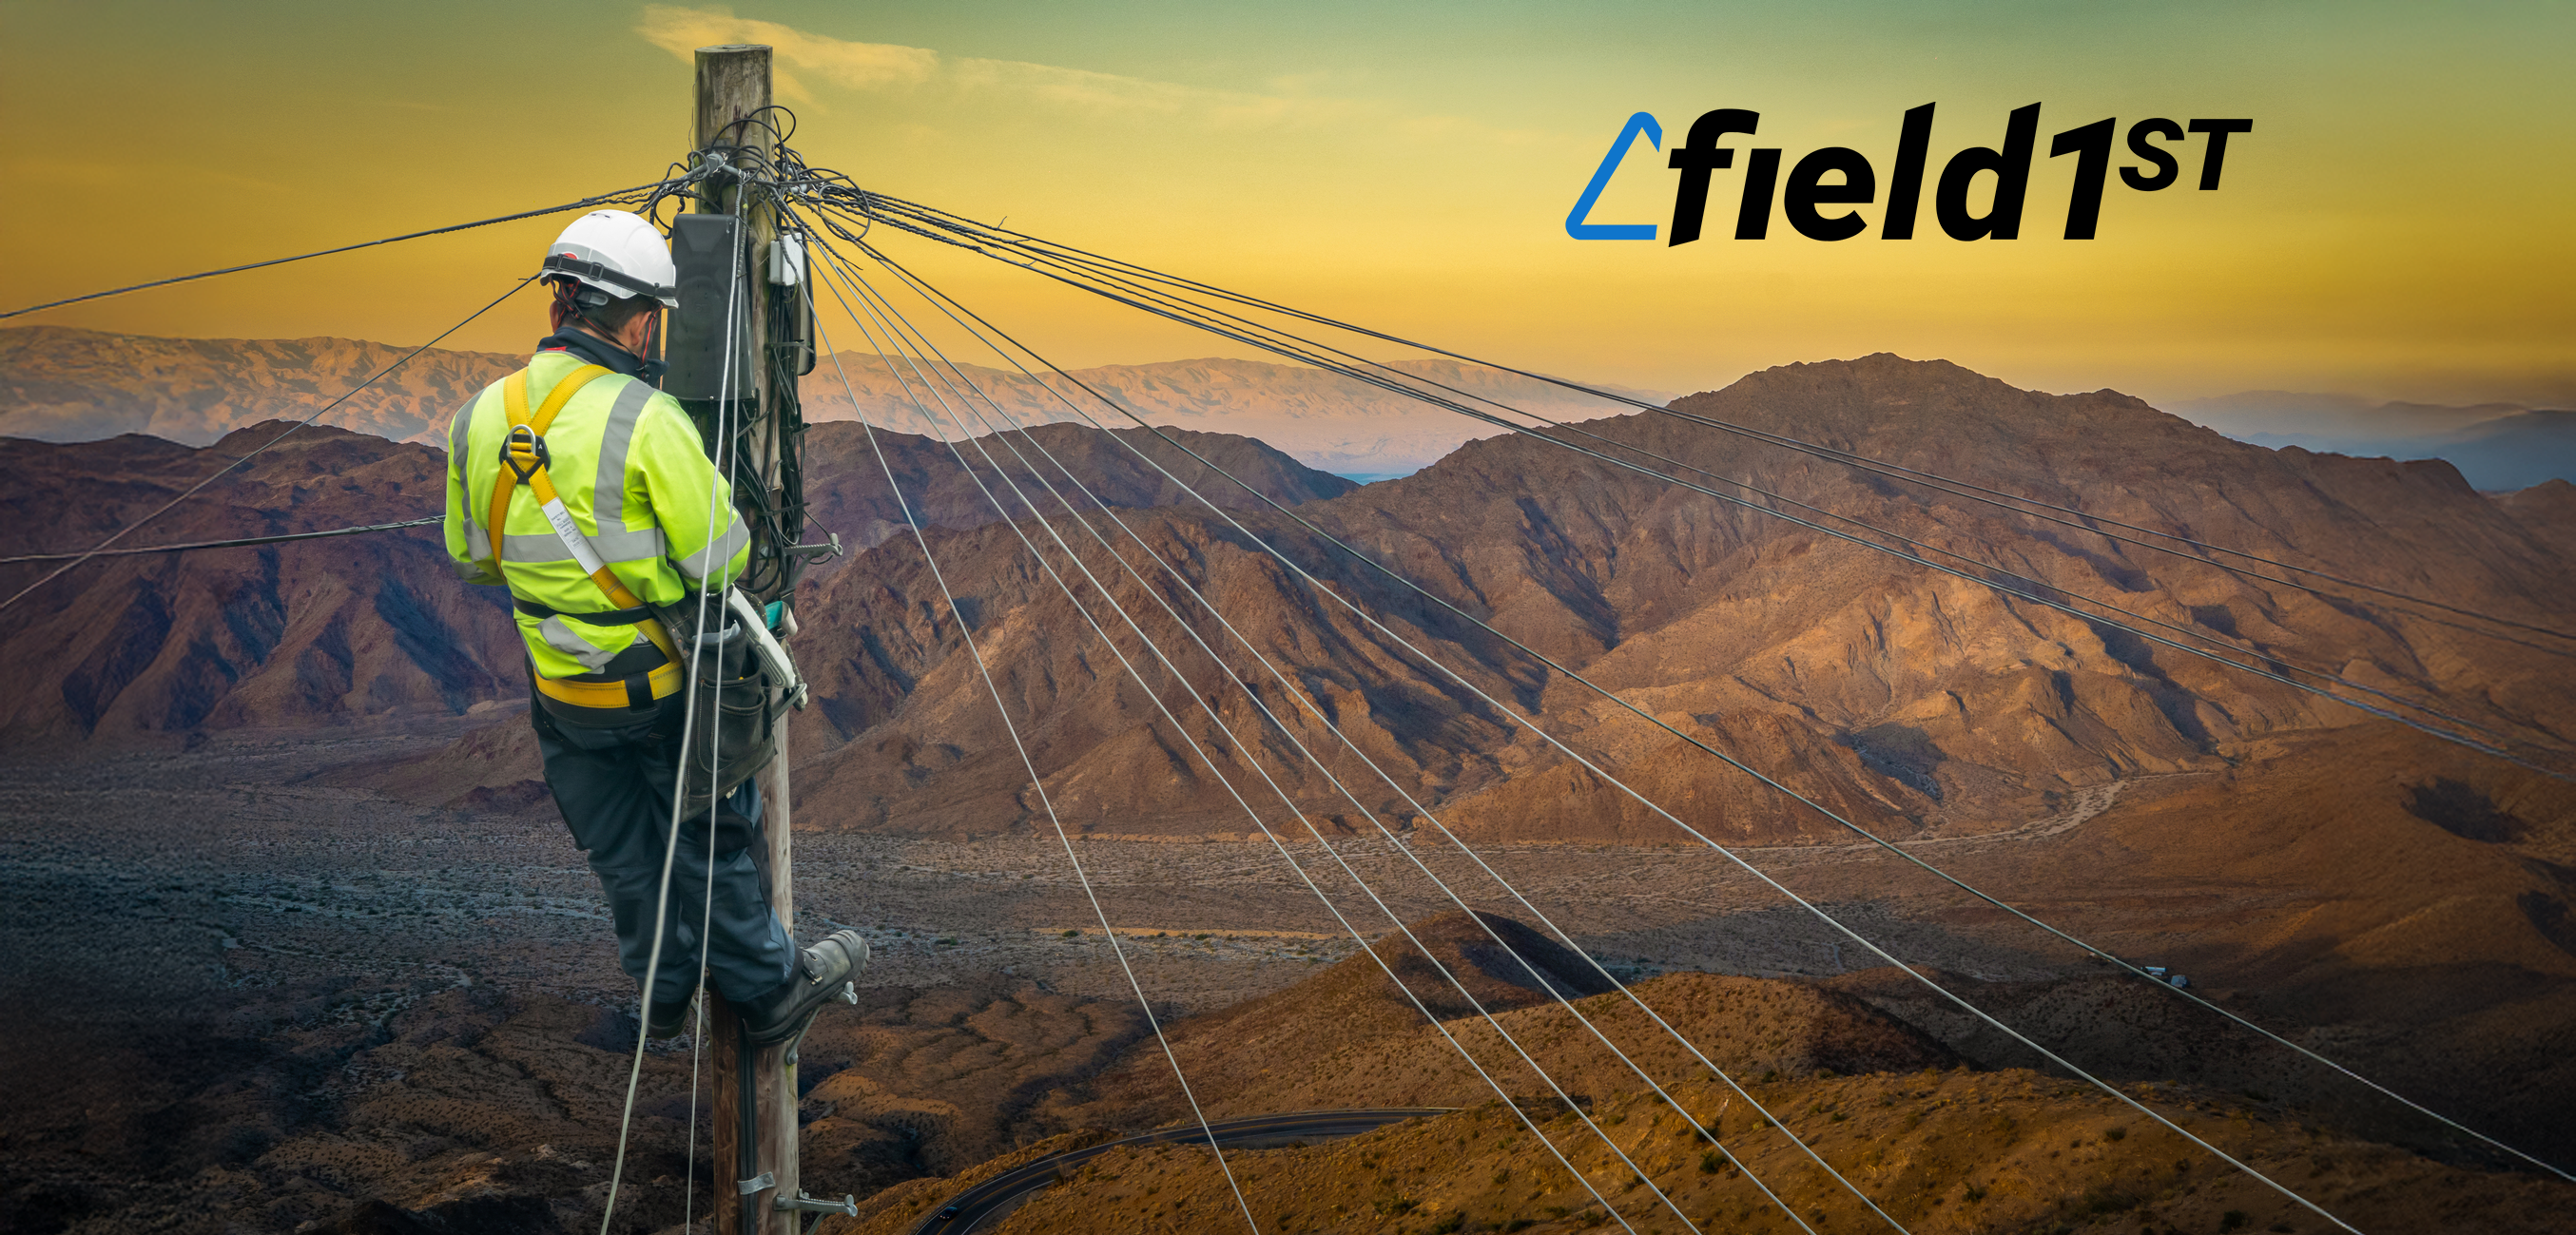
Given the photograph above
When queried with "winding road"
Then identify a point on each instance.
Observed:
(994, 1197)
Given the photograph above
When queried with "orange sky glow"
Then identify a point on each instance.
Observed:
(2394, 226)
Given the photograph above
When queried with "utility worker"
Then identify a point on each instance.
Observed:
(588, 494)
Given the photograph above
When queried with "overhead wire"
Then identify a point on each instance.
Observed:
(1308, 705)
(1066, 549)
(1612, 779)
(1286, 731)
(237, 543)
(1891, 847)
(1264, 827)
(1995, 585)
(959, 226)
(2100, 953)
(1390, 378)
(880, 307)
(1882, 843)
(262, 448)
(602, 199)
(1037, 786)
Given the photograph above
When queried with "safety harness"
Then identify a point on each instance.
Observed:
(523, 461)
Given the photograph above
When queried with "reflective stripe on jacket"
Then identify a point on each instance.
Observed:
(630, 467)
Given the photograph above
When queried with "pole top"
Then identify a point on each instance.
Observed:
(733, 85)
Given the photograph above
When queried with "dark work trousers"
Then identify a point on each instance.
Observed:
(615, 785)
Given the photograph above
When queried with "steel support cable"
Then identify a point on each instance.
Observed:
(2300, 1049)
(2435, 731)
(256, 451)
(1038, 785)
(1320, 894)
(240, 543)
(1891, 847)
(697, 653)
(1318, 586)
(1856, 461)
(1320, 717)
(986, 234)
(1339, 785)
(1288, 804)
(602, 199)
(1298, 348)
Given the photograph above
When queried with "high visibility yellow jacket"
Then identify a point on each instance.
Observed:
(630, 467)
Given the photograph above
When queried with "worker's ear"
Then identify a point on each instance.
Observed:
(638, 335)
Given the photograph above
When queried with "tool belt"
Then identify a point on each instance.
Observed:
(635, 678)
(735, 704)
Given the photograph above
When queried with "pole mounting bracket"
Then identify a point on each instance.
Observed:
(847, 1206)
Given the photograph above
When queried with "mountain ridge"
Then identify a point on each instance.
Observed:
(66, 384)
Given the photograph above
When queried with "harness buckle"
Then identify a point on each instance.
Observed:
(522, 443)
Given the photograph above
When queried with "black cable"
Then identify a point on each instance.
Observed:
(2431, 730)
(1298, 350)
(1967, 489)
(219, 473)
(2051, 1056)
(1612, 697)
(224, 544)
(601, 199)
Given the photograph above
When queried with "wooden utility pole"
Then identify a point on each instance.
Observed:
(758, 1170)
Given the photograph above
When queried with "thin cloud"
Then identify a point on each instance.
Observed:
(890, 66)
(857, 66)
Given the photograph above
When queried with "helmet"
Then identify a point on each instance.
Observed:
(617, 252)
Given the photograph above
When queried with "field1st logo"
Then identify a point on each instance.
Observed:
(1841, 176)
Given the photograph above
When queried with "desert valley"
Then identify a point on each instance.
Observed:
(299, 942)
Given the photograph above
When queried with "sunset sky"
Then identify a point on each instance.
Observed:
(2394, 226)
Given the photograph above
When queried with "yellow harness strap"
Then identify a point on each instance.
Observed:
(514, 402)
(523, 458)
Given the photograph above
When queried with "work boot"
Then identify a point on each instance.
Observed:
(667, 1020)
(823, 973)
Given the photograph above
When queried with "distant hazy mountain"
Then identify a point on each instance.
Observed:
(2498, 446)
(61, 385)
(1321, 419)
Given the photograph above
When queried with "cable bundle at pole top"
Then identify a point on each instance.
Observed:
(827, 210)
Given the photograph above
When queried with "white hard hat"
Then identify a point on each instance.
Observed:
(619, 253)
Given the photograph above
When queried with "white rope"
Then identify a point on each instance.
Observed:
(1318, 586)
(1347, 795)
(1038, 786)
(680, 784)
(1317, 713)
(2131, 967)
(1290, 806)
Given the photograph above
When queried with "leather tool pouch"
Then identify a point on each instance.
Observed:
(736, 706)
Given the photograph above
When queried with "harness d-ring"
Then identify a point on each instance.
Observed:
(534, 450)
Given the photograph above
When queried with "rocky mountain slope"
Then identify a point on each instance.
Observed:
(1936, 1151)
(331, 631)
(1939, 1144)
(1909, 701)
